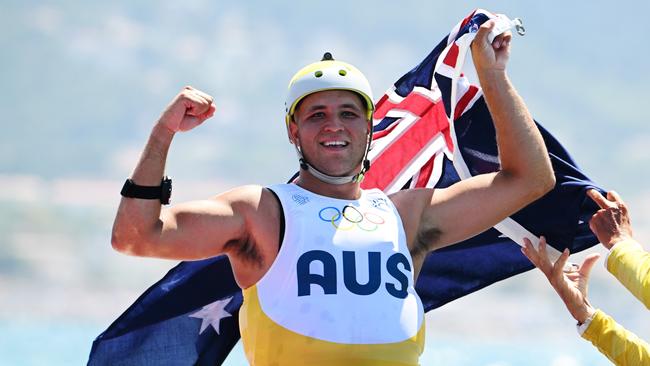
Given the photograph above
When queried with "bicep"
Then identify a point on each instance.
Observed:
(198, 229)
(472, 206)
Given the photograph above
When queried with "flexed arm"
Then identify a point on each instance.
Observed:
(142, 228)
(466, 208)
(187, 110)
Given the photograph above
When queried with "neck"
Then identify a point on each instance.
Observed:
(348, 191)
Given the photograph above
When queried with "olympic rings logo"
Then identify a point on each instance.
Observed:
(350, 217)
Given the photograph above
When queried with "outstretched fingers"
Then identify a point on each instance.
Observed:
(530, 252)
(538, 256)
(558, 268)
(600, 200)
(588, 264)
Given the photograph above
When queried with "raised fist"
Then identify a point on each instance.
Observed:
(187, 110)
(488, 55)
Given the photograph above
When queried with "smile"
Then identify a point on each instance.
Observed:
(334, 144)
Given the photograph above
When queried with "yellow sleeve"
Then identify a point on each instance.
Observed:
(630, 264)
(619, 345)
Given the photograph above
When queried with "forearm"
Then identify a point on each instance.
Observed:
(151, 166)
(522, 151)
(137, 220)
(630, 264)
(612, 340)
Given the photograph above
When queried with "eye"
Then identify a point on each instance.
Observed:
(316, 116)
(349, 114)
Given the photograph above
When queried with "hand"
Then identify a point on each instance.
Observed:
(572, 285)
(187, 110)
(611, 223)
(492, 56)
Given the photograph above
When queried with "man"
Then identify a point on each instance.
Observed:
(626, 260)
(327, 269)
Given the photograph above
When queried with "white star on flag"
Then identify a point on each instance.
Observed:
(212, 314)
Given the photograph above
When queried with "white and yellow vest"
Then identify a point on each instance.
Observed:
(341, 290)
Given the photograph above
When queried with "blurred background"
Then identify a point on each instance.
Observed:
(83, 82)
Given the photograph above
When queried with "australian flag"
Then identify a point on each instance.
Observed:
(431, 129)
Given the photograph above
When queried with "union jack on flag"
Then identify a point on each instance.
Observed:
(431, 129)
(413, 133)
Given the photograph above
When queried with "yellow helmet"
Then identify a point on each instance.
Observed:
(327, 74)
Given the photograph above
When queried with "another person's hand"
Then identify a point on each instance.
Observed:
(570, 285)
(490, 56)
(611, 223)
(187, 110)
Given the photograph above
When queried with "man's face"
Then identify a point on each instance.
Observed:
(331, 129)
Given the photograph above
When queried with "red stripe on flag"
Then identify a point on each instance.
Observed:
(380, 134)
(425, 173)
(415, 103)
(452, 56)
(381, 108)
(464, 101)
(401, 152)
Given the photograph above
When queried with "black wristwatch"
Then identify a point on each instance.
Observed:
(162, 192)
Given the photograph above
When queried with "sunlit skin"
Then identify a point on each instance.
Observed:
(244, 222)
(331, 129)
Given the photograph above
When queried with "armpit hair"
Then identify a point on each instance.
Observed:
(246, 250)
(425, 240)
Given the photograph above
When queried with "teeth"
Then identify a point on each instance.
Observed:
(335, 143)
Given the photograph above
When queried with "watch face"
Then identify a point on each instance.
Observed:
(166, 191)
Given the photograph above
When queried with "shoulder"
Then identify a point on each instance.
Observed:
(418, 214)
(259, 211)
(415, 199)
(410, 204)
(258, 199)
(247, 196)
(248, 202)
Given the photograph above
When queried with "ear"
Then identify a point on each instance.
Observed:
(292, 131)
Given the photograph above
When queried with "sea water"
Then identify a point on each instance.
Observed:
(68, 343)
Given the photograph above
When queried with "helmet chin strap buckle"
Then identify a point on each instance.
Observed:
(359, 177)
(303, 164)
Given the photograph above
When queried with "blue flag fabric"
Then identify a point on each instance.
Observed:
(446, 134)
(160, 329)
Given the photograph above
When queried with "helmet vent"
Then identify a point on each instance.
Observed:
(343, 72)
(318, 73)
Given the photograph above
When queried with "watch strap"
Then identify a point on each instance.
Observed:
(161, 192)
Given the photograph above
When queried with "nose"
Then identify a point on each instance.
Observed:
(333, 124)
